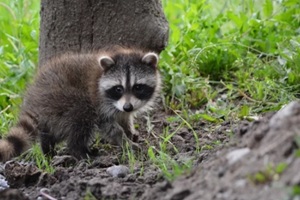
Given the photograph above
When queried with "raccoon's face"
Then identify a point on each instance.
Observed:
(130, 81)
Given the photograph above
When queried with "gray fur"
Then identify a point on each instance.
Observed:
(71, 96)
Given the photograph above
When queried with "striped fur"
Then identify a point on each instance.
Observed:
(19, 138)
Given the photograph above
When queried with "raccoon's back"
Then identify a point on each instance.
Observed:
(63, 90)
(76, 71)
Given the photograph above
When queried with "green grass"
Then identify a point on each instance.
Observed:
(244, 50)
(226, 60)
(41, 161)
(230, 60)
(270, 173)
(19, 26)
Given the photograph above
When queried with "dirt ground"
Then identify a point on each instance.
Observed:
(257, 161)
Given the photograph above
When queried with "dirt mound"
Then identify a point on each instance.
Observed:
(262, 165)
(260, 162)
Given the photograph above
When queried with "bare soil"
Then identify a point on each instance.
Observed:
(257, 161)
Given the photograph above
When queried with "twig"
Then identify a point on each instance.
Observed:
(43, 193)
(5, 109)
(247, 97)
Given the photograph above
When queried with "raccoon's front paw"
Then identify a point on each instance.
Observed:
(93, 152)
(133, 137)
(82, 153)
(136, 147)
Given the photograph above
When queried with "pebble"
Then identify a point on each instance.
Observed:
(237, 154)
(240, 183)
(291, 109)
(118, 171)
(3, 183)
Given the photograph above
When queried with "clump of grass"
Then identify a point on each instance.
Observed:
(132, 158)
(36, 154)
(271, 173)
(162, 158)
(89, 195)
(295, 191)
(168, 166)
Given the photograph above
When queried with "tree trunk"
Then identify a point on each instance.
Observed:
(85, 25)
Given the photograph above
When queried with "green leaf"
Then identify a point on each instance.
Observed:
(280, 168)
(207, 117)
(296, 190)
(260, 177)
(297, 153)
(268, 8)
(245, 111)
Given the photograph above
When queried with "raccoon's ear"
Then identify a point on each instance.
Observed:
(106, 62)
(150, 59)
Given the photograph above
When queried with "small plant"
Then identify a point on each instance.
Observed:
(271, 173)
(130, 156)
(36, 155)
(162, 156)
(169, 167)
(190, 127)
(297, 143)
(89, 195)
(295, 191)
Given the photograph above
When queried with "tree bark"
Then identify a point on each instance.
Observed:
(86, 25)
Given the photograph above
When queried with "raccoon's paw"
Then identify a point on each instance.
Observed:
(65, 161)
(135, 138)
(93, 152)
(135, 147)
(82, 153)
(132, 135)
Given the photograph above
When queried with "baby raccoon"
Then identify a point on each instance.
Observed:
(75, 94)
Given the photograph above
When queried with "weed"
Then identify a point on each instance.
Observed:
(169, 167)
(36, 154)
(295, 190)
(130, 156)
(190, 127)
(89, 195)
(297, 143)
(271, 173)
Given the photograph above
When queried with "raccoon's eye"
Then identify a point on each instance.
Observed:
(142, 91)
(119, 89)
(115, 92)
(138, 87)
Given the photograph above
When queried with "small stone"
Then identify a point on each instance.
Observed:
(237, 154)
(291, 109)
(118, 171)
(240, 183)
(3, 183)
(164, 186)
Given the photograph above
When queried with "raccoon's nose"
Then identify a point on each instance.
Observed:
(128, 107)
